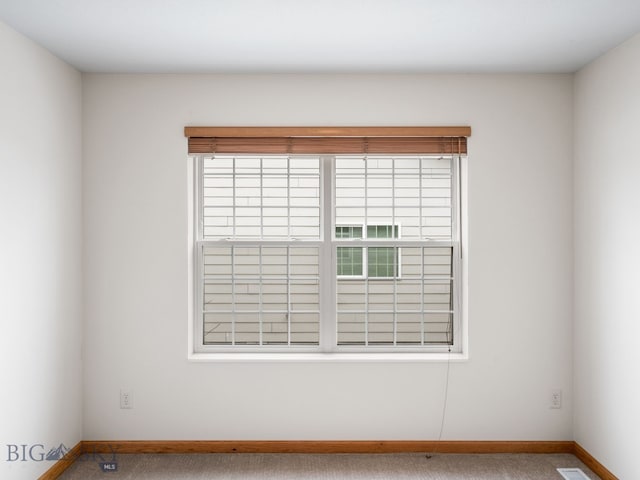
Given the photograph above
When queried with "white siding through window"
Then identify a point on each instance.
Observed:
(262, 223)
(414, 306)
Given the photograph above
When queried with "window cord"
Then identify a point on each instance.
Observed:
(444, 407)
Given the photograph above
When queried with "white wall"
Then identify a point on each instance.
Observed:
(136, 267)
(607, 262)
(40, 252)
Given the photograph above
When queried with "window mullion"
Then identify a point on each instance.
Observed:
(393, 197)
(328, 267)
(365, 252)
(261, 252)
(394, 252)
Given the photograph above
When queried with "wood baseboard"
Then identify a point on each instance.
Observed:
(323, 447)
(204, 446)
(61, 465)
(595, 466)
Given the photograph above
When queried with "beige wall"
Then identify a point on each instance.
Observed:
(40, 253)
(607, 262)
(136, 263)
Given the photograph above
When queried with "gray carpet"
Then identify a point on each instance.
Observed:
(246, 466)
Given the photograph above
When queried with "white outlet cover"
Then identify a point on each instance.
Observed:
(572, 474)
(126, 399)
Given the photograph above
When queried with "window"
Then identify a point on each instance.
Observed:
(381, 262)
(327, 252)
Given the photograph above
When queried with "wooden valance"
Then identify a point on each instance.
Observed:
(328, 140)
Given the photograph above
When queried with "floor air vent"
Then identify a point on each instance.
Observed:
(572, 474)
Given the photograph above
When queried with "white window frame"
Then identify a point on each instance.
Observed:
(328, 348)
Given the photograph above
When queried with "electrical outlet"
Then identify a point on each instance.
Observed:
(126, 399)
(555, 400)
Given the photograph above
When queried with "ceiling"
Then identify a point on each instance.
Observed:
(325, 36)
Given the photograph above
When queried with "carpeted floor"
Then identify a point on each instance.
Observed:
(325, 467)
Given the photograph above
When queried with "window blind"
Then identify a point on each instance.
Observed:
(328, 140)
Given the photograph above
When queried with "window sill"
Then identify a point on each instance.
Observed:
(413, 357)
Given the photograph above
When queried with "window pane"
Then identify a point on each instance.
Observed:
(350, 261)
(348, 231)
(382, 261)
(380, 328)
(382, 231)
(351, 295)
(438, 328)
(261, 295)
(416, 309)
(304, 328)
(269, 197)
(409, 328)
(351, 328)
(413, 193)
(218, 328)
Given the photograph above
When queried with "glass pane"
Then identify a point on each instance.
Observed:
(382, 231)
(260, 197)
(247, 328)
(406, 310)
(351, 295)
(382, 261)
(409, 329)
(438, 328)
(380, 329)
(305, 328)
(350, 261)
(218, 328)
(348, 231)
(411, 192)
(275, 328)
(250, 292)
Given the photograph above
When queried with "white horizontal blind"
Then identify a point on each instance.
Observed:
(414, 307)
